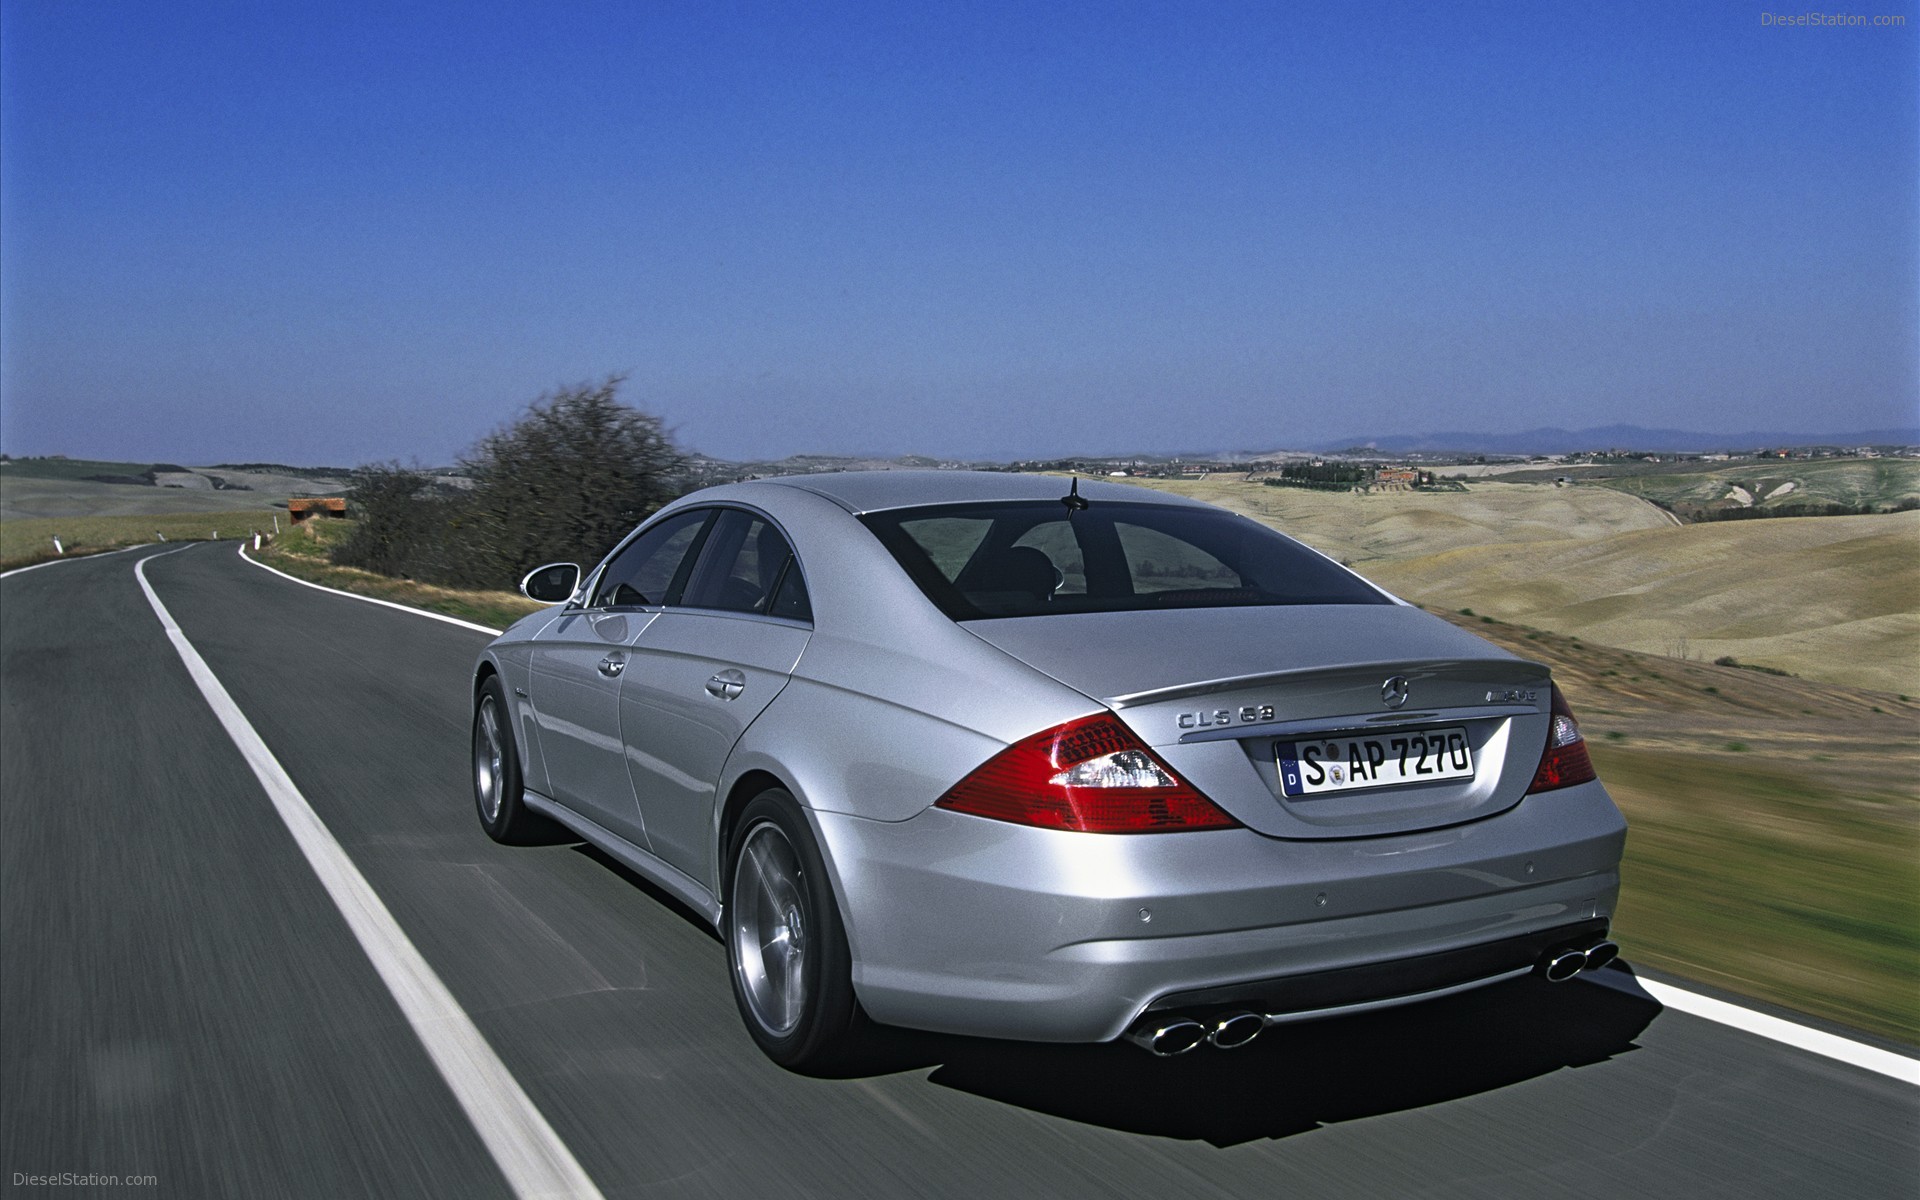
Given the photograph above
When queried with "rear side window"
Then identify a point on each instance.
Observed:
(1031, 558)
(652, 566)
(747, 567)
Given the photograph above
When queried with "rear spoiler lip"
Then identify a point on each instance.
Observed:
(1519, 669)
(1334, 724)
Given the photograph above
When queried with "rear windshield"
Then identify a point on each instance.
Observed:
(1031, 558)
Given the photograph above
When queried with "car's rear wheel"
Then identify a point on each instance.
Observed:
(786, 947)
(497, 783)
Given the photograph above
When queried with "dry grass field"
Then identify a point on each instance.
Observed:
(1829, 598)
(1774, 824)
(1357, 529)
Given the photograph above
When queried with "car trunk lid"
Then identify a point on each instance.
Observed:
(1224, 694)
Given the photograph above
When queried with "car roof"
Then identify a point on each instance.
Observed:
(876, 491)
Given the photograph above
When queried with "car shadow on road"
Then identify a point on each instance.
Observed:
(1296, 1078)
(1290, 1080)
(641, 883)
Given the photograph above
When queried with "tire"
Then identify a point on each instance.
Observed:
(497, 784)
(787, 949)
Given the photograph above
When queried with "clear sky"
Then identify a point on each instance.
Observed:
(331, 233)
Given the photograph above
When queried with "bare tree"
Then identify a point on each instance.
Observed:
(566, 480)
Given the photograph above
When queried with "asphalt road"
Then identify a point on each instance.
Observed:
(181, 999)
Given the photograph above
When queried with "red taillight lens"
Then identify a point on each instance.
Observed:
(1091, 775)
(1565, 761)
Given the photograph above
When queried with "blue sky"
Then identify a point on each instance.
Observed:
(334, 233)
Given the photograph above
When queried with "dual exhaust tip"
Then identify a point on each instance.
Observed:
(1170, 1034)
(1558, 966)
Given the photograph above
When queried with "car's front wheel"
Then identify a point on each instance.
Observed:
(786, 947)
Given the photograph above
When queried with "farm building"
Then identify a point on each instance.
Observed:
(302, 507)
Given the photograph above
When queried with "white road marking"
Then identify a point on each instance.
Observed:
(406, 608)
(73, 558)
(1788, 1033)
(528, 1151)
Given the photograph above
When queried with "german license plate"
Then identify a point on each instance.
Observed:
(1347, 763)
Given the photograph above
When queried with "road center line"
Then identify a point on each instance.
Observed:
(528, 1151)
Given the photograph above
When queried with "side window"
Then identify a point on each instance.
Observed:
(648, 569)
(1161, 562)
(742, 565)
(791, 600)
(948, 541)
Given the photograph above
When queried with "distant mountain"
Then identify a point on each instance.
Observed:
(1614, 437)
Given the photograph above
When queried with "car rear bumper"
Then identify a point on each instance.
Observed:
(966, 925)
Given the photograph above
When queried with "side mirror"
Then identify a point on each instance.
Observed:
(551, 584)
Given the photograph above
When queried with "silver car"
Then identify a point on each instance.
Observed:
(1002, 755)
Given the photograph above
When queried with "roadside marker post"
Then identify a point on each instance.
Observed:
(58, 548)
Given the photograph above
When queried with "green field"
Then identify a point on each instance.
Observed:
(1875, 482)
(23, 542)
(69, 468)
(1761, 879)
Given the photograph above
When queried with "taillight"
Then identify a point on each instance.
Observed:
(1565, 761)
(1091, 775)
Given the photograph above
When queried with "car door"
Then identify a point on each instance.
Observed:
(702, 671)
(578, 662)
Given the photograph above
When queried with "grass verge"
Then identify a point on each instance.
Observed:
(1765, 882)
(30, 540)
(302, 553)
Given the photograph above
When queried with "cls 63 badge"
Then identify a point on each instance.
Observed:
(1248, 714)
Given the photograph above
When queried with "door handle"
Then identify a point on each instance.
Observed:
(727, 685)
(612, 665)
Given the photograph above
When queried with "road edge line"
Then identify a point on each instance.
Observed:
(54, 562)
(406, 608)
(1787, 1033)
(524, 1146)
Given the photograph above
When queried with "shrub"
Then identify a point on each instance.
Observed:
(564, 482)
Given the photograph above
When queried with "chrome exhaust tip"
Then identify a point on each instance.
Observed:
(1236, 1029)
(1563, 965)
(1600, 954)
(1164, 1039)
